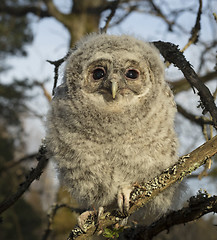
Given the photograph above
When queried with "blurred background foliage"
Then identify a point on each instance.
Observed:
(27, 219)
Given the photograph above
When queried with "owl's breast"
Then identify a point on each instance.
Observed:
(131, 143)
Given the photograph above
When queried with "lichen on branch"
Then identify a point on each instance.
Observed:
(144, 192)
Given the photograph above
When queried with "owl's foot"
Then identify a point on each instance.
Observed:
(124, 199)
(86, 219)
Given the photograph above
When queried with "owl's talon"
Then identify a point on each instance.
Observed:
(100, 212)
(124, 199)
(86, 219)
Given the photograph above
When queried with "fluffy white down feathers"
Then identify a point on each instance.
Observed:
(111, 122)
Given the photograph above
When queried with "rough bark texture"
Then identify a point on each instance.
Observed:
(144, 192)
(171, 53)
(197, 207)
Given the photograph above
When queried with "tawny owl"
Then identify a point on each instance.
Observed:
(111, 122)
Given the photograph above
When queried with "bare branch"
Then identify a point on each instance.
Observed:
(57, 64)
(198, 206)
(159, 13)
(172, 54)
(53, 11)
(184, 85)
(195, 30)
(144, 192)
(12, 164)
(33, 175)
(196, 119)
(113, 9)
(52, 214)
(20, 11)
(203, 54)
(122, 18)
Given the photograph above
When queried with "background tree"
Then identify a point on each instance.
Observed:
(79, 18)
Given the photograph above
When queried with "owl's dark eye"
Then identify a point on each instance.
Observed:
(98, 73)
(132, 74)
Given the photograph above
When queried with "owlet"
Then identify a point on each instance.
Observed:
(111, 123)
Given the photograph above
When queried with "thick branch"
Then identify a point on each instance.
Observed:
(172, 54)
(53, 11)
(33, 175)
(146, 191)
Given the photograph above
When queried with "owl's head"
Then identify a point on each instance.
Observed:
(113, 68)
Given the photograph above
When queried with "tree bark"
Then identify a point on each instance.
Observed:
(144, 192)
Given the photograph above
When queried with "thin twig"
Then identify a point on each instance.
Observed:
(159, 13)
(57, 64)
(195, 119)
(52, 214)
(183, 85)
(195, 30)
(14, 163)
(33, 175)
(56, 71)
(113, 9)
(122, 18)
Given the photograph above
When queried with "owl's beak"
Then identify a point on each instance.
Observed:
(114, 89)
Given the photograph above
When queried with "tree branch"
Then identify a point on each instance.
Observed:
(195, 119)
(20, 11)
(113, 9)
(159, 13)
(198, 206)
(144, 192)
(53, 11)
(33, 175)
(57, 64)
(52, 214)
(183, 85)
(195, 30)
(124, 16)
(14, 163)
(208, 47)
(172, 54)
